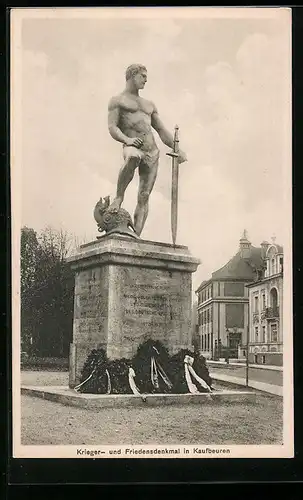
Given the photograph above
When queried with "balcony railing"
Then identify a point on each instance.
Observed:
(271, 312)
(255, 347)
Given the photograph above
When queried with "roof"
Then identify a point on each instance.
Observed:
(239, 268)
(279, 248)
(202, 285)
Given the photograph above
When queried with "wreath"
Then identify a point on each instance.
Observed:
(152, 370)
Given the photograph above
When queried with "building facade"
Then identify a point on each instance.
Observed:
(223, 304)
(266, 310)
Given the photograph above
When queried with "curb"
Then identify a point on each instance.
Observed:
(68, 397)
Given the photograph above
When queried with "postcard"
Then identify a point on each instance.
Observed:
(151, 192)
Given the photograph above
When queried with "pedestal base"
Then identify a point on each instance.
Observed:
(126, 292)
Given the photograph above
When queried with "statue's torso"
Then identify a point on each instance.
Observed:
(135, 120)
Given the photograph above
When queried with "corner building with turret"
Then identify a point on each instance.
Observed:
(223, 303)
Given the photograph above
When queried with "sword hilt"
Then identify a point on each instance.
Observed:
(174, 153)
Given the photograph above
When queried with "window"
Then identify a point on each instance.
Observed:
(208, 342)
(273, 298)
(256, 333)
(263, 360)
(234, 289)
(256, 306)
(263, 301)
(273, 266)
(274, 332)
(263, 334)
(234, 315)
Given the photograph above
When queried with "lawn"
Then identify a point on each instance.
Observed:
(48, 423)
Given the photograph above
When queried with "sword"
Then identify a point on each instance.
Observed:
(174, 185)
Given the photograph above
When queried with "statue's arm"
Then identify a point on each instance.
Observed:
(165, 136)
(113, 120)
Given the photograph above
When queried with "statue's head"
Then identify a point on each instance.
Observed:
(138, 74)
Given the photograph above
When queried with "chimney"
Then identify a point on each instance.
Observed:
(245, 246)
(264, 246)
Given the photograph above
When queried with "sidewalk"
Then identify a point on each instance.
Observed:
(254, 384)
(251, 365)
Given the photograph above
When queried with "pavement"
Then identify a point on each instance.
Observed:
(263, 379)
(251, 365)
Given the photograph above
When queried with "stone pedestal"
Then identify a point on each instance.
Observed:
(127, 291)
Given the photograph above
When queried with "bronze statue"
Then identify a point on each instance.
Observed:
(130, 121)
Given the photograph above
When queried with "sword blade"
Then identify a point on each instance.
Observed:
(174, 198)
(174, 187)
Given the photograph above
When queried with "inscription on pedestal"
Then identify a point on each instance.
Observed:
(148, 310)
(90, 310)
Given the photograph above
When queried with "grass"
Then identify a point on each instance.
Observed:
(48, 423)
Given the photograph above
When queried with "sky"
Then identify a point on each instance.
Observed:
(224, 81)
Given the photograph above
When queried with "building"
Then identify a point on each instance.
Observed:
(266, 310)
(223, 303)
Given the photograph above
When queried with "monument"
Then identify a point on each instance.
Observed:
(128, 289)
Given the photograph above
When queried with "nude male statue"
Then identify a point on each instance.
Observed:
(130, 121)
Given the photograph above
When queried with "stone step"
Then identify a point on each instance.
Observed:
(69, 397)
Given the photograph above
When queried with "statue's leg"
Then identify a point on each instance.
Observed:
(132, 158)
(148, 174)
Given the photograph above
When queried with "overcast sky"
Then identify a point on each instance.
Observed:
(223, 81)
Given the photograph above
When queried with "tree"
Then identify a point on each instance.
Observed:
(29, 255)
(47, 289)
